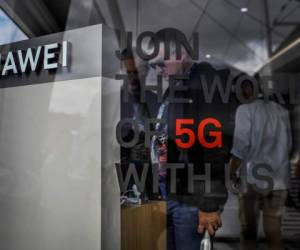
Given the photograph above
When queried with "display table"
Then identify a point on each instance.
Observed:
(144, 227)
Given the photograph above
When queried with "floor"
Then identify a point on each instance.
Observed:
(289, 245)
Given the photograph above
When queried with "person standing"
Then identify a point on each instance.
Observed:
(132, 108)
(261, 148)
(188, 214)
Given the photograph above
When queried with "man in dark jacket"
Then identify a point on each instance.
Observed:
(191, 208)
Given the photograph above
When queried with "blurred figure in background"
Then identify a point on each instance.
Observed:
(262, 145)
(139, 154)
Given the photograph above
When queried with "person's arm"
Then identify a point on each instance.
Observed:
(289, 131)
(297, 171)
(210, 206)
(297, 166)
(241, 139)
(209, 215)
(234, 165)
(211, 203)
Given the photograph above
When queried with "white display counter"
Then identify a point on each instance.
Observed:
(57, 145)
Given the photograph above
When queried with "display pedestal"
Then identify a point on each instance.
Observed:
(144, 226)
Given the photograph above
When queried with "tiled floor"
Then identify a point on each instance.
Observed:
(231, 224)
(290, 245)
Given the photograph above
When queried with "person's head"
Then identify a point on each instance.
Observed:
(134, 68)
(171, 66)
(247, 88)
(246, 85)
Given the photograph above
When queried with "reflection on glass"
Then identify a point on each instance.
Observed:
(10, 32)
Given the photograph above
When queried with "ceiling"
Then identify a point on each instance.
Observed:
(230, 36)
(227, 34)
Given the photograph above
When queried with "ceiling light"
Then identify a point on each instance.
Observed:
(208, 56)
(244, 9)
